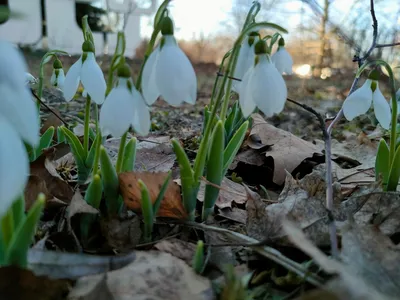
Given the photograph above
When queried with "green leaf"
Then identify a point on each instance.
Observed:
(189, 187)
(60, 135)
(147, 211)
(128, 161)
(17, 251)
(198, 259)
(45, 141)
(234, 146)
(92, 153)
(110, 183)
(79, 154)
(214, 169)
(94, 192)
(160, 13)
(230, 120)
(161, 194)
(382, 162)
(18, 209)
(394, 174)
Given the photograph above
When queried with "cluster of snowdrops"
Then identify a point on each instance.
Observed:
(253, 69)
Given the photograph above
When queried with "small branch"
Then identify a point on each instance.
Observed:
(387, 45)
(50, 109)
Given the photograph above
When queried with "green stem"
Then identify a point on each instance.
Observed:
(86, 126)
(96, 117)
(214, 90)
(121, 150)
(97, 152)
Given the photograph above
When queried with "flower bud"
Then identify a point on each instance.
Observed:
(167, 26)
(281, 42)
(57, 64)
(124, 71)
(87, 46)
(261, 48)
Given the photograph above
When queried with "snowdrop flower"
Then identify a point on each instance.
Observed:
(282, 59)
(87, 71)
(14, 165)
(262, 86)
(246, 55)
(168, 72)
(123, 107)
(29, 78)
(360, 101)
(57, 78)
(16, 105)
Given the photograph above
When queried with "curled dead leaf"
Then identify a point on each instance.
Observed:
(171, 205)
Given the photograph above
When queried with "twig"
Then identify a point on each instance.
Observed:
(48, 108)
(387, 45)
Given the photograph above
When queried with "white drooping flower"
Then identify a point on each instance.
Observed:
(87, 71)
(17, 105)
(262, 86)
(19, 121)
(359, 102)
(282, 59)
(246, 56)
(57, 78)
(14, 165)
(168, 72)
(30, 79)
(123, 107)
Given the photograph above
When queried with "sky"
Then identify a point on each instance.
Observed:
(193, 18)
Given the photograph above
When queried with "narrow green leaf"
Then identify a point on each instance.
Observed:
(18, 209)
(79, 154)
(60, 135)
(17, 251)
(7, 226)
(94, 192)
(161, 194)
(214, 169)
(45, 141)
(147, 211)
(234, 146)
(110, 183)
(92, 153)
(230, 120)
(189, 187)
(394, 173)
(382, 167)
(198, 259)
(128, 161)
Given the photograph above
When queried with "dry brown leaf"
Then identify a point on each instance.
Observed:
(47, 182)
(153, 275)
(300, 200)
(121, 234)
(287, 150)
(16, 283)
(372, 256)
(178, 248)
(353, 286)
(234, 214)
(79, 206)
(171, 205)
(230, 192)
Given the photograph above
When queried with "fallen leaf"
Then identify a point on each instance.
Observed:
(64, 265)
(97, 290)
(287, 150)
(52, 120)
(350, 283)
(79, 206)
(178, 248)
(372, 256)
(121, 234)
(234, 214)
(230, 192)
(47, 182)
(16, 283)
(171, 205)
(153, 275)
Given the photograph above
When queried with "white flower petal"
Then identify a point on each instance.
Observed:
(245, 51)
(283, 61)
(358, 102)
(93, 79)
(30, 79)
(175, 76)
(14, 166)
(116, 112)
(381, 108)
(72, 79)
(13, 66)
(268, 88)
(149, 87)
(141, 118)
(246, 102)
(53, 78)
(61, 79)
(20, 110)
